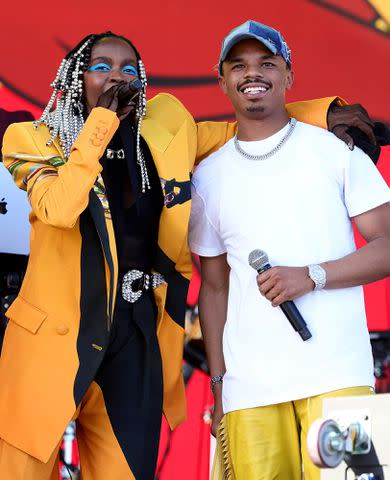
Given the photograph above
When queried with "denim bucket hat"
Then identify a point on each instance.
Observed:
(268, 36)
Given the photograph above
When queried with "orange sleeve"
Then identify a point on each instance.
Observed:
(58, 190)
(211, 137)
(313, 111)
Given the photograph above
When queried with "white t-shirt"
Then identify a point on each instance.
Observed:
(296, 206)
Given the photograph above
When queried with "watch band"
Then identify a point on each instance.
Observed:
(214, 380)
(318, 275)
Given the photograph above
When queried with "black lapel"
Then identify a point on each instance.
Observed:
(128, 141)
(97, 213)
(93, 335)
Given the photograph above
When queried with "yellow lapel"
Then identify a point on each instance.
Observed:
(157, 137)
(172, 159)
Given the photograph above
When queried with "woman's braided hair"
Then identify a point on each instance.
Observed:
(66, 120)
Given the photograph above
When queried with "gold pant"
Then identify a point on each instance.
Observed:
(100, 452)
(269, 443)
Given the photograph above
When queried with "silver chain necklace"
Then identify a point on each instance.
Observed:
(292, 122)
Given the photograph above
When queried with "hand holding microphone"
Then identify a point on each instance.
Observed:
(127, 96)
(129, 92)
(280, 285)
(120, 98)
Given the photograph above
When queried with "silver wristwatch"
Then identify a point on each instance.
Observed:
(214, 380)
(318, 275)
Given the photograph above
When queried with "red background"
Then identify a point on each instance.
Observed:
(336, 50)
(335, 47)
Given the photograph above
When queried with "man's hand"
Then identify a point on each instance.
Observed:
(118, 99)
(218, 410)
(279, 284)
(340, 118)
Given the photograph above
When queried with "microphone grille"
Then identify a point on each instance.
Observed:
(135, 84)
(257, 259)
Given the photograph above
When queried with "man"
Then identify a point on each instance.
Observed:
(290, 189)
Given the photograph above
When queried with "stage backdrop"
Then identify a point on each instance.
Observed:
(339, 47)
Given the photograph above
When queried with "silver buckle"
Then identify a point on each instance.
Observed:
(149, 280)
(112, 153)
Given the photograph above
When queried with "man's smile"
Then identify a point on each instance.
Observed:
(254, 90)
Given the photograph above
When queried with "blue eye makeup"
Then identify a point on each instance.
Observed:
(100, 67)
(104, 67)
(130, 70)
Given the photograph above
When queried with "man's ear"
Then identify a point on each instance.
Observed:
(222, 84)
(289, 79)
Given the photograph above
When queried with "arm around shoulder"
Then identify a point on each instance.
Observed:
(168, 111)
(212, 136)
(314, 112)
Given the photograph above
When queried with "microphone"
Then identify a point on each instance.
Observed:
(258, 260)
(134, 89)
(135, 86)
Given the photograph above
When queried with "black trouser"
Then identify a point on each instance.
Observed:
(130, 378)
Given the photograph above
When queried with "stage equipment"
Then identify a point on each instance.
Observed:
(14, 210)
(380, 343)
(351, 442)
(69, 457)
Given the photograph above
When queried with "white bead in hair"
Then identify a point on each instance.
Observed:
(140, 112)
(66, 121)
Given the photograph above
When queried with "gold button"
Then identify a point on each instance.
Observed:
(100, 136)
(95, 142)
(103, 130)
(62, 329)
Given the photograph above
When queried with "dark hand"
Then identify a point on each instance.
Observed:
(340, 118)
(118, 99)
(279, 284)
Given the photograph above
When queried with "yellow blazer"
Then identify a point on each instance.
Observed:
(57, 333)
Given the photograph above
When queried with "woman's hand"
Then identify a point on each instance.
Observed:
(341, 118)
(119, 99)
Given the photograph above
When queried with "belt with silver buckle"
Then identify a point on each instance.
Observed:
(135, 282)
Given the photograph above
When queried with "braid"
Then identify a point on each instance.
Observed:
(67, 120)
(141, 112)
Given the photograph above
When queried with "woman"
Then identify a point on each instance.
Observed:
(96, 333)
(96, 204)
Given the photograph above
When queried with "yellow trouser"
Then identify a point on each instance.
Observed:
(269, 443)
(100, 453)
